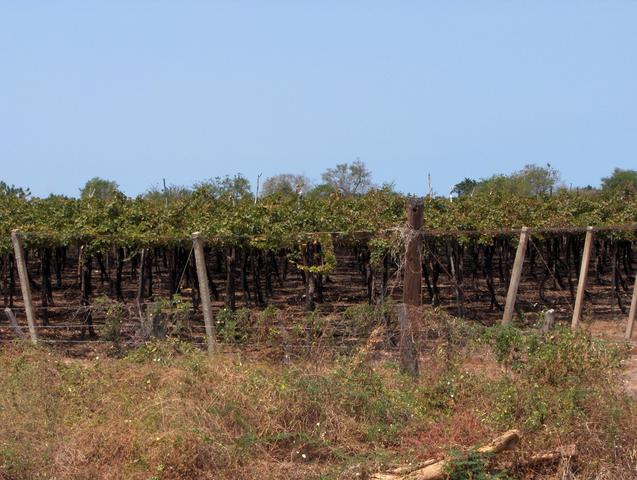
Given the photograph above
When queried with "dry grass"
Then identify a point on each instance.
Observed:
(168, 412)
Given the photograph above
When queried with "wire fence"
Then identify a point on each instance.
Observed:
(132, 331)
(341, 339)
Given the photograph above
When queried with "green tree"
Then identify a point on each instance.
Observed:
(620, 180)
(465, 187)
(320, 191)
(232, 188)
(538, 180)
(167, 194)
(13, 191)
(99, 189)
(532, 180)
(349, 179)
(286, 183)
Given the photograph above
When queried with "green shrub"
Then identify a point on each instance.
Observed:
(233, 327)
(166, 317)
(162, 351)
(471, 466)
(266, 325)
(113, 319)
(556, 380)
(508, 345)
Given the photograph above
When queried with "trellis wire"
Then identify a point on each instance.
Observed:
(424, 232)
(627, 227)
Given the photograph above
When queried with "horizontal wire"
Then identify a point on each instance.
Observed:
(243, 347)
(344, 338)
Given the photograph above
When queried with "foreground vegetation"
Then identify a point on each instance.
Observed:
(167, 411)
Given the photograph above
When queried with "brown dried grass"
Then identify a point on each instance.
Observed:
(166, 412)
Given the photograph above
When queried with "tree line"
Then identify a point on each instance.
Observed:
(353, 179)
(533, 180)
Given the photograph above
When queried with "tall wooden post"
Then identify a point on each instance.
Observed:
(87, 289)
(413, 252)
(632, 313)
(18, 249)
(516, 273)
(141, 283)
(412, 282)
(231, 264)
(204, 290)
(583, 275)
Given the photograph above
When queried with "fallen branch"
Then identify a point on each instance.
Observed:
(550, 456)
(435, 469)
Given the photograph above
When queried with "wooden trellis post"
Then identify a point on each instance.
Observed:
(204, 291)
(413, 251)
(583, 275)
(515, 276)
(412, 284)
(141, 283)
(18, 249)
(632, 313)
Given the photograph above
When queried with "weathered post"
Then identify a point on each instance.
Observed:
(549, 321)
(515, 277)
(413, 251)
(141, 283)
(14, 324)
(412, 282)
(632, 313)
(581, 283)
(16, 239)
(87, 289)
(204, 290)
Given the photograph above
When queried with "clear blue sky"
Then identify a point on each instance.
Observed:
(139, 90)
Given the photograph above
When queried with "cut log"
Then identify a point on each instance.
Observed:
(404, 470)
(435, 469)
(561, 453)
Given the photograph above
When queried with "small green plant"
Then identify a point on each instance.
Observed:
(167, 317)
(443, 394)
(471, 466)
(266, 325)
(231, 326)
(361, 319)
(163, 351)
(508, 346)
(114, 318)
(180, 317)
(315, 326)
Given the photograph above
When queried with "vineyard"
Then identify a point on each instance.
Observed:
(312, 308)
(318, 240)
(100, 269)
